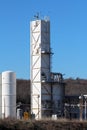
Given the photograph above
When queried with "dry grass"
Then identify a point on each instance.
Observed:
(45, 124)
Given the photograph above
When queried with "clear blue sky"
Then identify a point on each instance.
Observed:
(68, 35)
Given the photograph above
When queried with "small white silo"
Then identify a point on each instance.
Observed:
(8, 94)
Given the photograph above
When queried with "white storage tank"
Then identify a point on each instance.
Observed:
(8, 94)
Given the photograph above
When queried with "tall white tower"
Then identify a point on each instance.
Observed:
(47, 88)
(40, 67)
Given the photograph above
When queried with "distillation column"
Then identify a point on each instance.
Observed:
(40, 66)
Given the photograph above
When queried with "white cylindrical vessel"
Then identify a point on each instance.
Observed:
(19, 113)
(9, 94)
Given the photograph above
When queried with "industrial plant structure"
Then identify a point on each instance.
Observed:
(7, 94)
(47, 88)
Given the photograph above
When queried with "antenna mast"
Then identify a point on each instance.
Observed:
(36, 16)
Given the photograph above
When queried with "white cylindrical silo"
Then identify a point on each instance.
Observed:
(9, 94)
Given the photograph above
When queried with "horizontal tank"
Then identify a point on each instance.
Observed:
(9, 94)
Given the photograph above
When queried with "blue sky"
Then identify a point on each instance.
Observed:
(68, 35)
